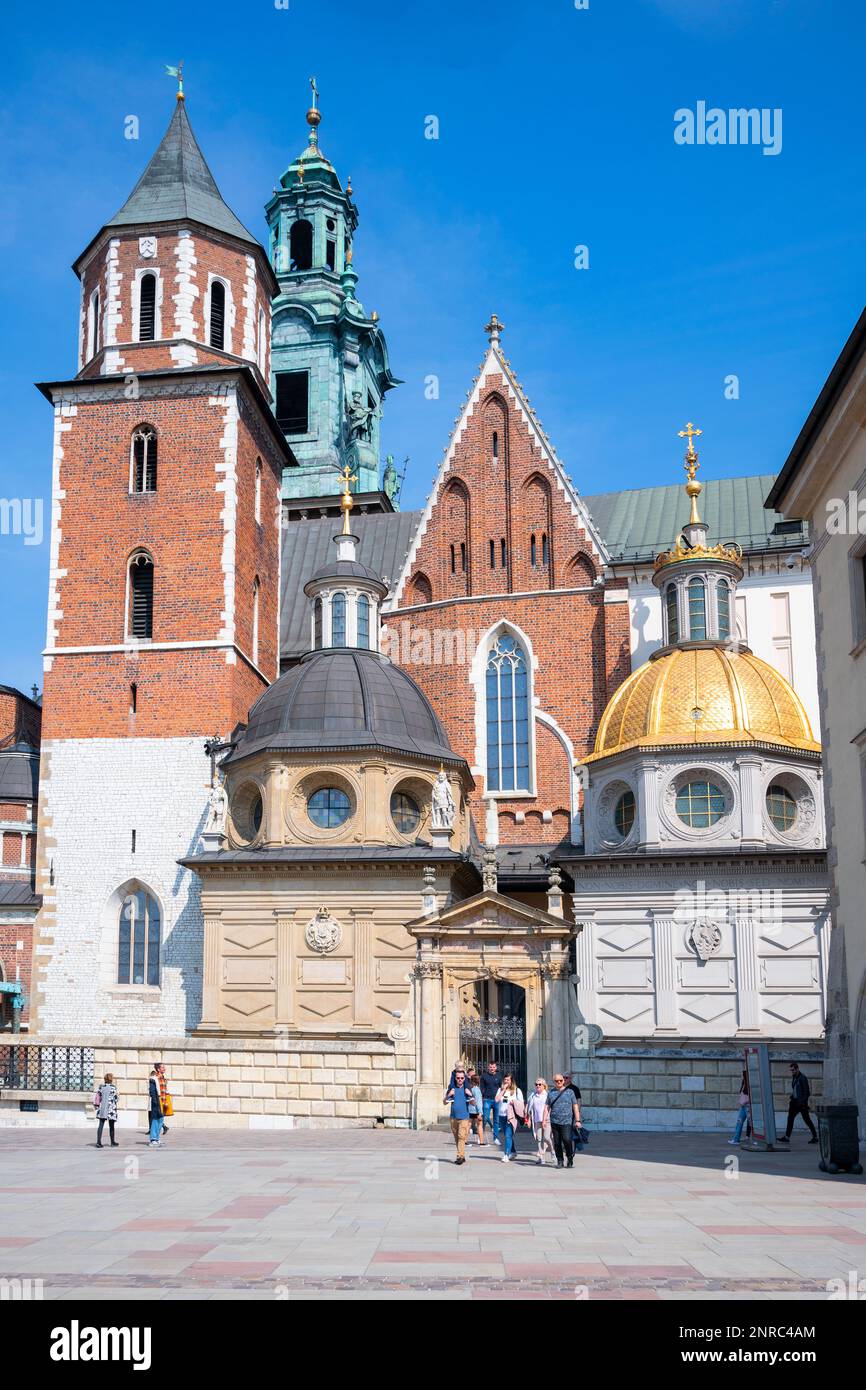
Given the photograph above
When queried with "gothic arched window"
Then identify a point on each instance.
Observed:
(697, 610)
(317, 624)
(338, 620)
(301, 245)
(507, 699)
(256, 588)
(671, 610)
(139, 939)
(140, 604)
(363, 621)
(147, 309)
(143, 472)
(217, 314)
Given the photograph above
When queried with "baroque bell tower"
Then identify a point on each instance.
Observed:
(329, 357)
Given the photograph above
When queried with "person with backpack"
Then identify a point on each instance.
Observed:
(512, 1112)
(105, 1101)
(798, 1105)
(563, 1113)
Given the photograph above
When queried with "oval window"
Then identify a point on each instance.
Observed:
(700, 804)
(405, 813)
(328, 807)
(624, 814)
(781, 807)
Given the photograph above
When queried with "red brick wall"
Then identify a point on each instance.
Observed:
(20, 718)
(580, 644)
(14, 960)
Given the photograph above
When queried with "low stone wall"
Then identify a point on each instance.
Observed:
(658, 1087)
(243, 1084)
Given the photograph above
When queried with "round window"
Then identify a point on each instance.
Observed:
(256, 814)
(624, 814)
(781, 807)
(405, 813)
(700, 804)
(328, 807)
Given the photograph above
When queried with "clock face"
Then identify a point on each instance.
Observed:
(147, 246)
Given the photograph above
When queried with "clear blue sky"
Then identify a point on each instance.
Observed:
(556, 129)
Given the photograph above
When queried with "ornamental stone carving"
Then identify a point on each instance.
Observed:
(427, 969)
(323, 933)
(443, 804)
(399, 1032)
(705, 938)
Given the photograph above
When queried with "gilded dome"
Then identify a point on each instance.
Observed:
(703, 694)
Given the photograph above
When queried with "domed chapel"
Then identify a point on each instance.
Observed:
(332, 793)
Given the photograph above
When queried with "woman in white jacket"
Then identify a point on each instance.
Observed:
(536, 1112)
(509, 1099)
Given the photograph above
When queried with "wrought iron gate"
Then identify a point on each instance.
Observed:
(501, 1040)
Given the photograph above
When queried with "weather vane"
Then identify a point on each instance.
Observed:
(178, 73)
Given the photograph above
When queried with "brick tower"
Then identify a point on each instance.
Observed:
(163, 591)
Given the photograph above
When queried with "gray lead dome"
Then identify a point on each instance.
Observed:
(344, 698)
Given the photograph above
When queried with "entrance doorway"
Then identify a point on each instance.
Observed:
(493, 1027)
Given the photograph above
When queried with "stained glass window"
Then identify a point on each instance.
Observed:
(507, 691)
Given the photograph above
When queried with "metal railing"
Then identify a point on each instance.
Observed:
(36, 1068)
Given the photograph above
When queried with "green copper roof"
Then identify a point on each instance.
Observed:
(639, 523)
(177, 185)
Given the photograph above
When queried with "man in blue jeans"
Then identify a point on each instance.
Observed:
(490, 1083)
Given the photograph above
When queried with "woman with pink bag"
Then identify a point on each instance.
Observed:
(512, 1112)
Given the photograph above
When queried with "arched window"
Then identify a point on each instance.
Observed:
(463, 556)
(723, 600)
(143, 471)
(147, 309)
(453, 561)
(671, 609)
(317, 623)
(93, 325)
(259, 491)
(697, 610)
(217, 314)
(256, 588)
(545, 550)
(140, 605)
(301, 246)
(139, 939)
(495, 446)
(493, 555)
(363, 621)
(533, 553)
(338, 620)
(507, 696)
(503, 552)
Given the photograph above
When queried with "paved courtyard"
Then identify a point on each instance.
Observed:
(225, 1214)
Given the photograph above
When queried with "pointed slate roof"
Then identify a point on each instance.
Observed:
(178, 185)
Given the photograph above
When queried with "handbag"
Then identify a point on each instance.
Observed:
(519, 1109)
(167, 1106)
(581, 1134)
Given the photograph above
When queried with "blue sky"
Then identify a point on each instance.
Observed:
(556, 130)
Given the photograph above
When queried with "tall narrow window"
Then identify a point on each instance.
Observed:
(138, 945)
(697, 610)
(143, 460)
(363, 621)
(292, 407)
(533, 553)
(503, 552)
(263, 342)
(493, 555)
(317, 624)
(259, 491)
(141, 597)
(301, 245)
(463, 556)
(453, 561)
(256, 622)
(495, 446)
(217, 314)
(93, 325)
(671, 609)
(338, 620)
(147, 309)
(545, 550)
(507, 695)
(723, 599)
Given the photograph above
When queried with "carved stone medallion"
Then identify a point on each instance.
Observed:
(705, 938)
(323, 933)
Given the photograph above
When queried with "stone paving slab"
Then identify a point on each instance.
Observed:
(384, 1214)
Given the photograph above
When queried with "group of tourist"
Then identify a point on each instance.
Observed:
(551, 1113)
(158, 1106)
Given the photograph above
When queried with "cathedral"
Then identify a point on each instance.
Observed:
(328, 794)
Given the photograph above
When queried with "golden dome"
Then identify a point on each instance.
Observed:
(703, 695)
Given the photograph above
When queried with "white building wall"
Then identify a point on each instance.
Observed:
(762, 626)
(93, 793)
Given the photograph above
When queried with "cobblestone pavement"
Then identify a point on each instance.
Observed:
(373, 1214)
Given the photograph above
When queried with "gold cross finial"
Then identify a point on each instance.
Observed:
(691, 433)
(494, 328)
(347, 478)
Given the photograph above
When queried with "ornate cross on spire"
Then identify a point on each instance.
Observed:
(691, 433)
(494, 328)
(347, 478)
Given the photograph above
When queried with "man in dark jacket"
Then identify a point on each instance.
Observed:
(490, 1083)
(798, 1105)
